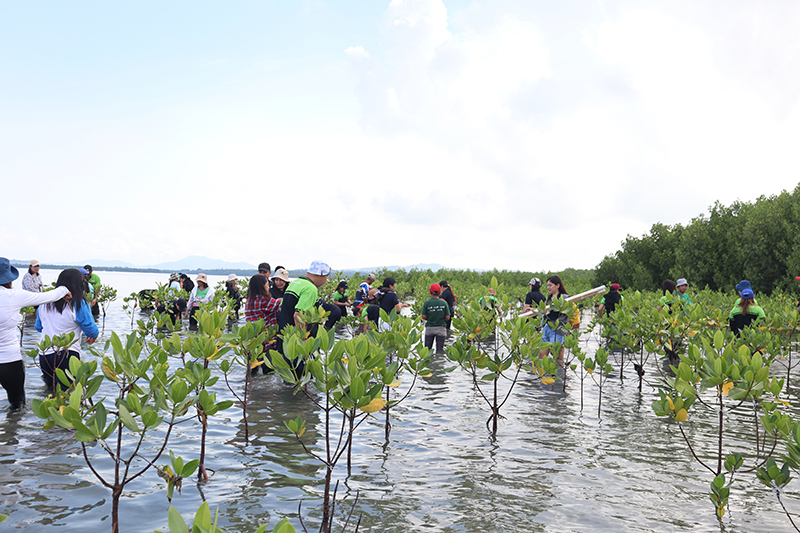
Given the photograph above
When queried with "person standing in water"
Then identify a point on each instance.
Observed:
(12, 369)
(32, 281)
(63, 317)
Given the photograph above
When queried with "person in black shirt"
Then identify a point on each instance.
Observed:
(448, 296)
(186, 283)
(389, 300)
(534, 296)
(610, 300)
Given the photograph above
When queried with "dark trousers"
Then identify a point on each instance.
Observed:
(438, 334)
(51, 361)
(12, 379)
(192, 319)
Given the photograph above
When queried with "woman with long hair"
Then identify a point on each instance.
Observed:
(745, 312)
(449, 296)
(668, 289)
(261, 305)
(62, 317)
(554, 323)
(12, 369)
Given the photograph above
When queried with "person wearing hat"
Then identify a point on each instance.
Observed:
(745, 312)
(177, 306)
(610, 300)
(362, 294)
(202, 294)
(12, 369)
(280, 280)
(534, 296)
(232, 288)
(265, 270)
(65, 317)
(680, 291)
(435, 313)
(94, 282)
(32, 281)
(302, 294)
(340, 297)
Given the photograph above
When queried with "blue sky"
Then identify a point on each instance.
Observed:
(509, 134)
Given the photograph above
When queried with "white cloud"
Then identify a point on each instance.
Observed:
(356, 52)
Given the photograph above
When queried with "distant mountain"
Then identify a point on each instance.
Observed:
(194, 262)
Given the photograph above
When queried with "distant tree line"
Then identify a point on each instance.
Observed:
(759, 241)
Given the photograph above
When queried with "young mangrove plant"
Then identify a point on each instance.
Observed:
(248, 344)
(401, 340)
(106, 295)
(205, 347)
(344, 373)
(599, 369)
(494, 352)
(716, 378)
(148, 398)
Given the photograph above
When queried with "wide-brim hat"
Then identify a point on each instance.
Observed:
(203, 278)
(232, 277)
(281, 273)
(8, 272)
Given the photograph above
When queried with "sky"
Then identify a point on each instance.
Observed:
(511, 134)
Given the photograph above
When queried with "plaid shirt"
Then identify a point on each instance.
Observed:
(262, 307)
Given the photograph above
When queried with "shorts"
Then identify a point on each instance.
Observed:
(548, 335)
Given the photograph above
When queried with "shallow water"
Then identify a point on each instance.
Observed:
(550, 468)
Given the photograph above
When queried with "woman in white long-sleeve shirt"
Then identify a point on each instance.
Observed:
(61, 318)
(12, 370)
(201, 294)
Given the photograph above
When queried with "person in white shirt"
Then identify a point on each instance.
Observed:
(12, 370)
(32, 281)
(61, 318)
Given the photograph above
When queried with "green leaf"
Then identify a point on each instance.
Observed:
(127, 419)
(203, 517)
(189, 468)
(357, 388)
(176, 522)
(489, 377)
(284, 527)
(719, 340)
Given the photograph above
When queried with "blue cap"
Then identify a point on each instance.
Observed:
(742, 285)
(83, 271)
(748, 293)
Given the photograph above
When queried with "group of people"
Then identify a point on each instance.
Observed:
(63, 310)
(32, 282)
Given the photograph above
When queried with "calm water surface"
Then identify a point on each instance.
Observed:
(550, 468)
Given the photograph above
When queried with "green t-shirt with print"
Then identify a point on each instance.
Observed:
(435, 309)
(306, 293)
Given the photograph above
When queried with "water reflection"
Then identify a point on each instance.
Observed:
(552, 466)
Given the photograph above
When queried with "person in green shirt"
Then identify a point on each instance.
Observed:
(94, 281)
(435, 313)
(681, 286)
(340, 297)
(745, 312)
